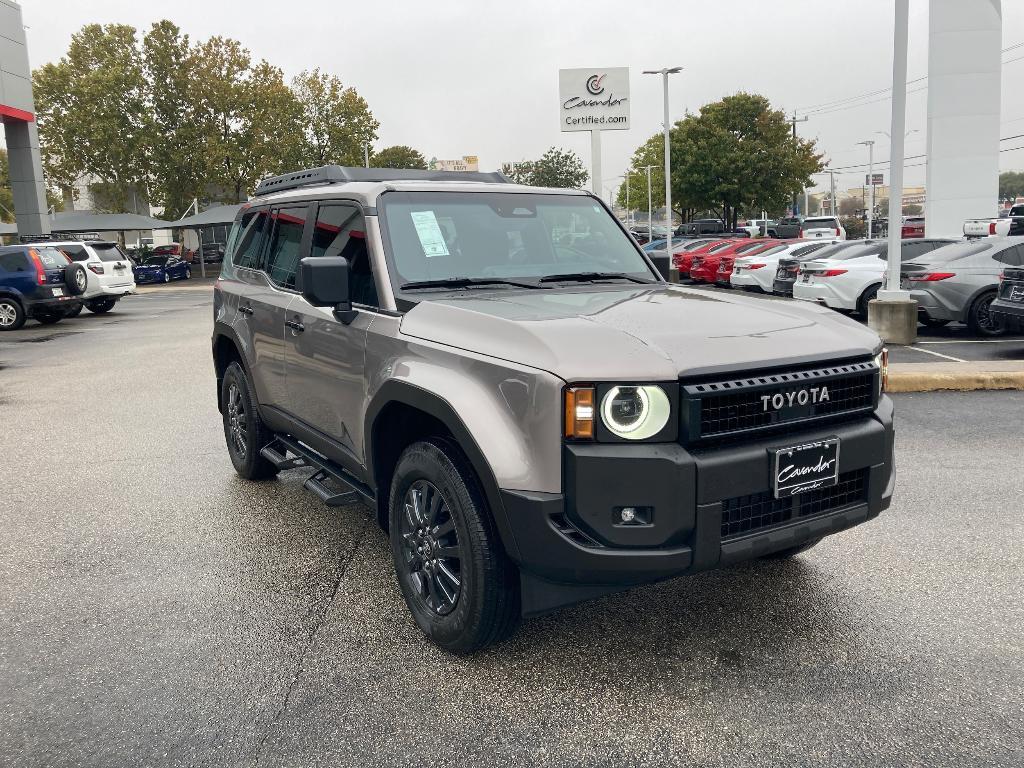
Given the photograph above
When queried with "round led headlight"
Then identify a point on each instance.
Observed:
(635, 413)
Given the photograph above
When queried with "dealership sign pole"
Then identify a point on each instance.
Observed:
(594, 100)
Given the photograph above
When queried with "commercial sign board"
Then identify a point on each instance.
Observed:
(594, 99)
(873, 181)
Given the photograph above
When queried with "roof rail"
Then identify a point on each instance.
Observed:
(336, 174)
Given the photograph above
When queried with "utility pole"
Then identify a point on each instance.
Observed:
(668, 152)
(650, 208)
(870, 144)
(627, 197)
(794, 120)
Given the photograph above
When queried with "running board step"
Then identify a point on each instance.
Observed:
(281, 460)
(327, 495)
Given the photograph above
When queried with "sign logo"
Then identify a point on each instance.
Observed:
(780, 400)
(594, 86)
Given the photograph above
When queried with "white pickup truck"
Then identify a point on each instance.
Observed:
(1012, 224)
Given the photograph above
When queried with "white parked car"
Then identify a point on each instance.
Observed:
(822, 228)
(108, 269)
(757, 227)
(758, 272)
(849, 279)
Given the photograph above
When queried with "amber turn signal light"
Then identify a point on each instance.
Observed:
(579, 413)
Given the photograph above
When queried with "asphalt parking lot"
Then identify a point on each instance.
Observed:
(159, 611)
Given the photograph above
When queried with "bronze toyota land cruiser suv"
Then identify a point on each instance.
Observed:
(533, 414)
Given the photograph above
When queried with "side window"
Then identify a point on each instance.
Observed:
(75, 252)
(14, 261)
(249, 238)
(285, 243)
(341, 231)
(1013, 257)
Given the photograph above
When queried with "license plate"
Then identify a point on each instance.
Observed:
(58, 291)
(1016, 293)
(802, 468)
(807, 277)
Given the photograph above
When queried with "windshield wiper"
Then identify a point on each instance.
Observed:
(467, 282)
(588, 276)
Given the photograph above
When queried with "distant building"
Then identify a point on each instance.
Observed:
(466, 163)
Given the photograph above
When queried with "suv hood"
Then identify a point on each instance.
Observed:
(638, 333)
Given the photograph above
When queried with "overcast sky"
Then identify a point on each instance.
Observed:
(454, 77)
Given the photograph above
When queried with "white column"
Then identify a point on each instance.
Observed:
(668, 170)
(897, 130)
(964, 73)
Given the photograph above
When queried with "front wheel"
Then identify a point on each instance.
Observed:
(244, 430)
(460, 586)
(101, 306)
(980, 321)
(167, 277)
(188, 272)
(12, 316)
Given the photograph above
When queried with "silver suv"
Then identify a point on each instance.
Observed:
(533, 414)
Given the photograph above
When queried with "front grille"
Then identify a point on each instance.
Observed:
(762, 511)
(762, 402)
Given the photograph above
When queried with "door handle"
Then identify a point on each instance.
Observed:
(246, 309)
(295, 325)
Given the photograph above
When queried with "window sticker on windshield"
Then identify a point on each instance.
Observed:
(429, 233)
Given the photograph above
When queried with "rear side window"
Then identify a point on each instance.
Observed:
(285, 243)
(76, 252)
(1013, 257)
(804, 250)
(247, 238)
(957, 251)
(14, 261)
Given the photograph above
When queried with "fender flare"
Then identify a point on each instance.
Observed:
(11, 293)
(222, 330)
(395, 391)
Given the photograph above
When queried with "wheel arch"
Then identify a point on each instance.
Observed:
(11, 293)
(226, 349)
(401, 413)
(965, 315)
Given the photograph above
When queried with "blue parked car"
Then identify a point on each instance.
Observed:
(162, 269)
(40, 282)
(655, 245)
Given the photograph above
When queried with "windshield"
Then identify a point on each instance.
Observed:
(108, 252)
(820, 224)
(443, 235)
(155, 261)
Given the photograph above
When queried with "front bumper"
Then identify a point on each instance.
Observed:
(1009, 314)
(572, 546)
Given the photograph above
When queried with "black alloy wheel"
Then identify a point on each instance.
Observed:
(979, 318)
(244, 430)
(430, 542)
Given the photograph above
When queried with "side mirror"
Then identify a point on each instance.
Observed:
(324, 282)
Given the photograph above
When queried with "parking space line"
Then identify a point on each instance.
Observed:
(937, 354)
(975, 341)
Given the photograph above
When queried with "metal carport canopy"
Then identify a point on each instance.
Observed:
(220, 214)
(81, 221)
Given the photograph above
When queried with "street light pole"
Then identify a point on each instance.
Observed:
(870, 144)
(650, 208)
(668, 152)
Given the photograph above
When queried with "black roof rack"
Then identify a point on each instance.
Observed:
(336, 174)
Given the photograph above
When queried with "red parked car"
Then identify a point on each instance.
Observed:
(725, 263)
(682, 257)
(913, 226)
(704, 267)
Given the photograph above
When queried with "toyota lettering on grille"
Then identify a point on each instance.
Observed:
(805, 396)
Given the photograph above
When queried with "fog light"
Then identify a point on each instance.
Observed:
(628, 514)
(632, 516)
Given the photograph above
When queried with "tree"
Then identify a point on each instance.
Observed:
(336, 122)
(912, 209)
(399, 156)
(651, 152)
(555, 168)
(1011, 184)
(738, 154)
(91, 108)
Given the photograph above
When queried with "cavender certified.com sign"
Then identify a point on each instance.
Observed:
(594, 99)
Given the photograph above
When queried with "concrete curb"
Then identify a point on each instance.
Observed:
(958, 381)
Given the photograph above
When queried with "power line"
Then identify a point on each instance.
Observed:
(826, 104)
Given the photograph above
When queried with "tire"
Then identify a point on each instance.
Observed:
(464, 556)
(101, 306)
(785, 554)
(167, 277)
(869, 295)
(933, 322)
(75, 311)
(978, 318)
(188, 273)
(12, 316)
(76, 279)
(48, 318)
(244, 431)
